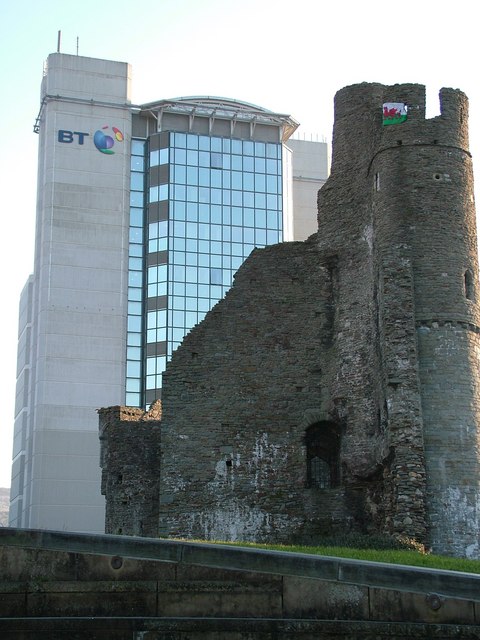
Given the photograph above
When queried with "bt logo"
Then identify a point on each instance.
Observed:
(105, 143)
(101, 140)
(68, 136)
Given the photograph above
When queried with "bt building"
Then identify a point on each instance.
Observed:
(144, 213)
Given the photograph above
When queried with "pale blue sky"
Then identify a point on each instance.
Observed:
(286, 56)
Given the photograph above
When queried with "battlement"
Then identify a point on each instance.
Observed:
(360, 131)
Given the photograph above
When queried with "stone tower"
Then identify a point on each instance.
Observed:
(413, 187)
(335, 388)
(425, 234)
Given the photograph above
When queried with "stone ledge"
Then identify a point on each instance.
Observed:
(344, 571)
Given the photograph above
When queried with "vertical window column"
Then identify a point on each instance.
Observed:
(134, 378)
(157, 265)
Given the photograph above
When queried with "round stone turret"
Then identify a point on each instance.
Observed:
(421, 179)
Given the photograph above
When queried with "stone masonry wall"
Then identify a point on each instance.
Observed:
(129, 457)
(240, 393)
(424, 201)
(359, 346)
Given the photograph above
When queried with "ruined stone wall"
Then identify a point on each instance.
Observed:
(353, 355)
(129, 457)
(243, 388)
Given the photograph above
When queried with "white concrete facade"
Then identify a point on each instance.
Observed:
(309, 172)
(73, 310)
(75, 315)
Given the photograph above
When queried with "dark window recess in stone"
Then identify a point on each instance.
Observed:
(468, 278)
(320, 473)
(323, 452)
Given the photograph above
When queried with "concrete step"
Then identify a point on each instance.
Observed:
(117, 628)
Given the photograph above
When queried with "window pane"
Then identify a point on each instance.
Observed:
(136, 217)
(260, 184)
(192, 175)
(134, 353)
(163, 156)
(192, 141)
(180, 140)
(135, 279)
(134, 339)
(138, 147)
(133, 385)
(163, 192)
(135, 294)
(204, 159)
(236, 180)
(134, 323)
(136, 198)
(260, 218)
(216, 160)
(236, 163)
(248, 148)
(180, 156)
(132, 399)
(248, 181)
(180, 174)
(215, 276)
(137, 163)
(135, 308)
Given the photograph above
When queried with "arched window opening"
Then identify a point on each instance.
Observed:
(323, 454)
(468, 281)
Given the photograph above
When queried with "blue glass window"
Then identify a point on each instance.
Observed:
(138, 147)
(136, 198)
(219, 191)
(216, 160)
(137, 163)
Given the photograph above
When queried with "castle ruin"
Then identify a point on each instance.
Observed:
(336, 387)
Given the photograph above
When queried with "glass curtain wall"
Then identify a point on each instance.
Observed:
(211, 200)
(134, 367)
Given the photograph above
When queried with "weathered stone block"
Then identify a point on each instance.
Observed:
(304, 598)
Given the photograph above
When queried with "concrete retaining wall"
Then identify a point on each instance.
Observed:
(48, 574)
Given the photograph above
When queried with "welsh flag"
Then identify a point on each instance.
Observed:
(394, 112)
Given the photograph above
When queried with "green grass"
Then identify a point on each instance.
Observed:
(394, 556)
(413, 557)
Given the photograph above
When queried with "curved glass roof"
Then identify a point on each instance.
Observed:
(225, 108)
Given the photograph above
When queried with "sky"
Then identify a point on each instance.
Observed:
(289, 57)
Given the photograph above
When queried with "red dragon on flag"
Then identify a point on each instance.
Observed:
(394, 112)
